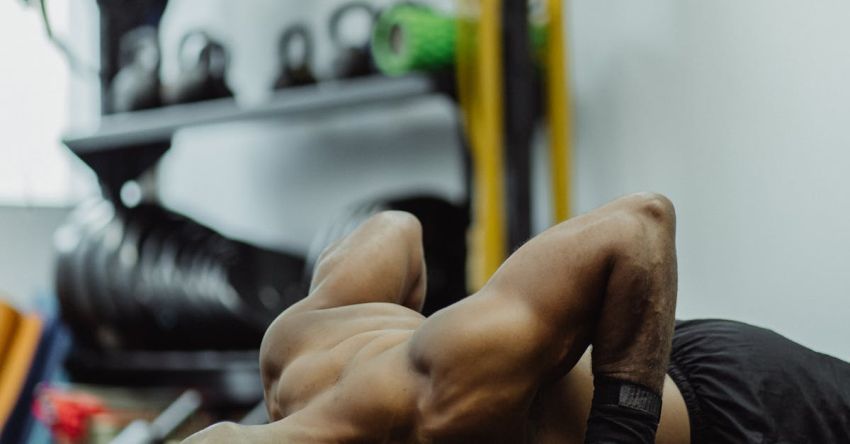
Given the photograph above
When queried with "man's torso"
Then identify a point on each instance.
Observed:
(353, 368)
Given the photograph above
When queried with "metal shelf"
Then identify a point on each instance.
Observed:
(157, 126)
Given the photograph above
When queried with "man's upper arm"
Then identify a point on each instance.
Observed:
(541, 308)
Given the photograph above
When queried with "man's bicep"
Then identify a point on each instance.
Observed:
(480, 354)
(488, 336)
(538, 309)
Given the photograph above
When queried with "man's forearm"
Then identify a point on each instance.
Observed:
(632, 337)
(606, 278)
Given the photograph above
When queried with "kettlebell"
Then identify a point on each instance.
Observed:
(353, 59)
(202, 70)
(295, 72)
(136, 85)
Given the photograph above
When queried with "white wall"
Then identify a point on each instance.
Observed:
(26, 253)
(740, 112)
(38, 176)
(35, 169)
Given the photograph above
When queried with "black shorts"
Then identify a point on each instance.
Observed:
(744, 384)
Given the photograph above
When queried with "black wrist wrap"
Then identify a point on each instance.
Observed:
(622, 412)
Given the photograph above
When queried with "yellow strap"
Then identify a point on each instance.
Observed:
(479, 64)
(559, 112)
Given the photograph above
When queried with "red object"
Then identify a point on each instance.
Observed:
(65, 412)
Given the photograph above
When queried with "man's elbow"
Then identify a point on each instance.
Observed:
(647, 223)
(658, 207)
(399, 228)
(647, 244)
(398, 222)
(652, 208)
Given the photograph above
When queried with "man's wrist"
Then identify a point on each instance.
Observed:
(622, 412)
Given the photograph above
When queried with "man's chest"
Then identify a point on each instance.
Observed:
(366, 369)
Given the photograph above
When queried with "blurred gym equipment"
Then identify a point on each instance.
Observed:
(203, 64)
(137, 86)
(412, 37)
(295, 71)
(154, 298)
(353, 59)
(156, 431)
(558, 110)
(147, 278)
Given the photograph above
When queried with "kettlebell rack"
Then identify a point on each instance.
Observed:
(495, 86)
(125, 144)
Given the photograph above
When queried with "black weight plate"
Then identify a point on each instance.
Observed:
(194, 266)
(123, 278)
(106, 243)
(151, 292)
(101, 302)
(67, 240)
(93, 222)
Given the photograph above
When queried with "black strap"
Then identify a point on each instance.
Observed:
(626, 394)
(622, 413)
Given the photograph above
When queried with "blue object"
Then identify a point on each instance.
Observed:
(52, 348)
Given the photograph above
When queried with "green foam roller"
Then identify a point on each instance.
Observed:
(410, 38)
(413, 38)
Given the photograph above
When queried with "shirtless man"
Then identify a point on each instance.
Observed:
(355, 361)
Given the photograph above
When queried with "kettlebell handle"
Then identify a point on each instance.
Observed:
(213, 55)
(345, 9)
(298, 30)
